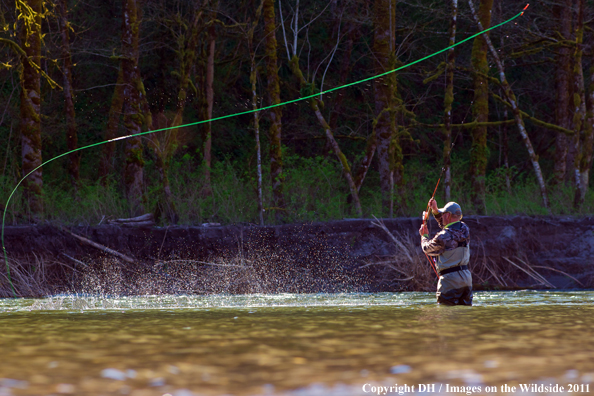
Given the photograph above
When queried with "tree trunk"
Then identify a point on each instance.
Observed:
(479, 154)
(363, 168)
(111, 132)
(71, 131)
(165, 204)
(505, 151)
(504, 140)
(588, 144)
(253, 80)
(385, 99)
(31, 106)
(275, 114)
(517, 114)
(257, 137)
(133, 117)
(448, 100)
(187, 58)
(579, 105)
(206, 163)
(562, 13)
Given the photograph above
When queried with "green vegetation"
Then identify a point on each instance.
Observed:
(314, 190)
(171, 76)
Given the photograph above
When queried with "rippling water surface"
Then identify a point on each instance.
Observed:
(296, 344)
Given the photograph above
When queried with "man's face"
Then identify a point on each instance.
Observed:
(447, 218)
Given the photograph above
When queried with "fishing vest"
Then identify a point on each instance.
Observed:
(453, 258)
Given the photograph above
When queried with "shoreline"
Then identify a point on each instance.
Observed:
(507, 253)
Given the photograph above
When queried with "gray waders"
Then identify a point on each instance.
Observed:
(455, 280)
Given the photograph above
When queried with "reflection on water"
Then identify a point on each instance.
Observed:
(291, 344)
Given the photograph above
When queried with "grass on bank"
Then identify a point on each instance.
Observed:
(315, 190)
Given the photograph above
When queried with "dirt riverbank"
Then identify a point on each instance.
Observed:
(347, 255)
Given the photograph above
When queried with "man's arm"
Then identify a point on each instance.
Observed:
(433, 247)
(435, 211)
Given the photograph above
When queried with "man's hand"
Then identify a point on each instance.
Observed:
(423, 230)
(433, 206)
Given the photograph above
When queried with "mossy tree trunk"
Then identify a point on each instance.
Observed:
(133, 115)
(579, 105)
(385, 98)
(448, 100)
(71, 130)
(253, 81)
(207, 154)
(479, 152)
(563, 17)
(275, 114)
(504, 150)
(30, 33)
(187, 58)
(111, 131)
(365, 163)
(503, 135)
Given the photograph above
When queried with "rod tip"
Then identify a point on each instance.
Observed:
(524, 9)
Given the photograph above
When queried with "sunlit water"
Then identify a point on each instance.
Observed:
(297, 344)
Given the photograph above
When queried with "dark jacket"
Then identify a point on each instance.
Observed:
(450, 245)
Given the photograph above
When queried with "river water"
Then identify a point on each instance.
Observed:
(298, 344)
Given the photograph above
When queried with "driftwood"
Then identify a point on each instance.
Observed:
(75, 260)
(101, 247)
(146, 220)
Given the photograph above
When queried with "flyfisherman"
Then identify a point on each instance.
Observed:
(452, 253)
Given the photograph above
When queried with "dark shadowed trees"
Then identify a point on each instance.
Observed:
(579, 106)
(195, 66)
(563, 15)
(133, 114)
(385, 97)
(71, 130)
(111, 130)
(448, 100)
(307, 88)
(186, 33)
(479, 152)
(253, 85)
(30, 34)
(513, 103)
(210, 69)
(275, 114)
(587, 148)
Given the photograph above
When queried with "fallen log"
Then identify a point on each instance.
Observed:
(146, 220)
(101, 247)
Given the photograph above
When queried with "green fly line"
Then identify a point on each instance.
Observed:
(229, 116)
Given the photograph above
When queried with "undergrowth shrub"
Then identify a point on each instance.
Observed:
(314, 188)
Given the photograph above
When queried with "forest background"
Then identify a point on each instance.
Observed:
(508, 116)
